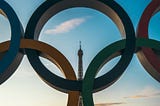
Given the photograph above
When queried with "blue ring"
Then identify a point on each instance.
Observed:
(12, 58)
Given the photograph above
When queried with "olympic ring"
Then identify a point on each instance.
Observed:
(151, 63)
(53, 55)
(98, 62)
(34, 48)
(12, 57)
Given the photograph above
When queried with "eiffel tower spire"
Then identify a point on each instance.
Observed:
(80, 63)
(80, 70)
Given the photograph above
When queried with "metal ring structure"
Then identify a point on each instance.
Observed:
(12, 57)
(34, 48)
(147, 56)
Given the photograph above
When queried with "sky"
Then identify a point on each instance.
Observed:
(64, 31)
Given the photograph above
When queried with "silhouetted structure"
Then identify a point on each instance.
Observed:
(80, 71)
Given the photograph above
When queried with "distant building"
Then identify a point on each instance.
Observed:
(80, 71)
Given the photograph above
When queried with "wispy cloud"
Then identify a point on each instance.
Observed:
(110, 104)
(66, 26)
(137, 96)
(147, 92)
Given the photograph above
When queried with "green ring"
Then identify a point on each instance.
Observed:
(89, 83)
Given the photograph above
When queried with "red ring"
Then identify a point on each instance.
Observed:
(147, 56)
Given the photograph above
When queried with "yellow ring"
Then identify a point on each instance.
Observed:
(54, 56)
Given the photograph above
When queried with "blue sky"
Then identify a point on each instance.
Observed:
(64, 31)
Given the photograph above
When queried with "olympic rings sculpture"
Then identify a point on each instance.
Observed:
(21, 43)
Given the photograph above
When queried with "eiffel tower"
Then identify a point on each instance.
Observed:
(80, 71)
